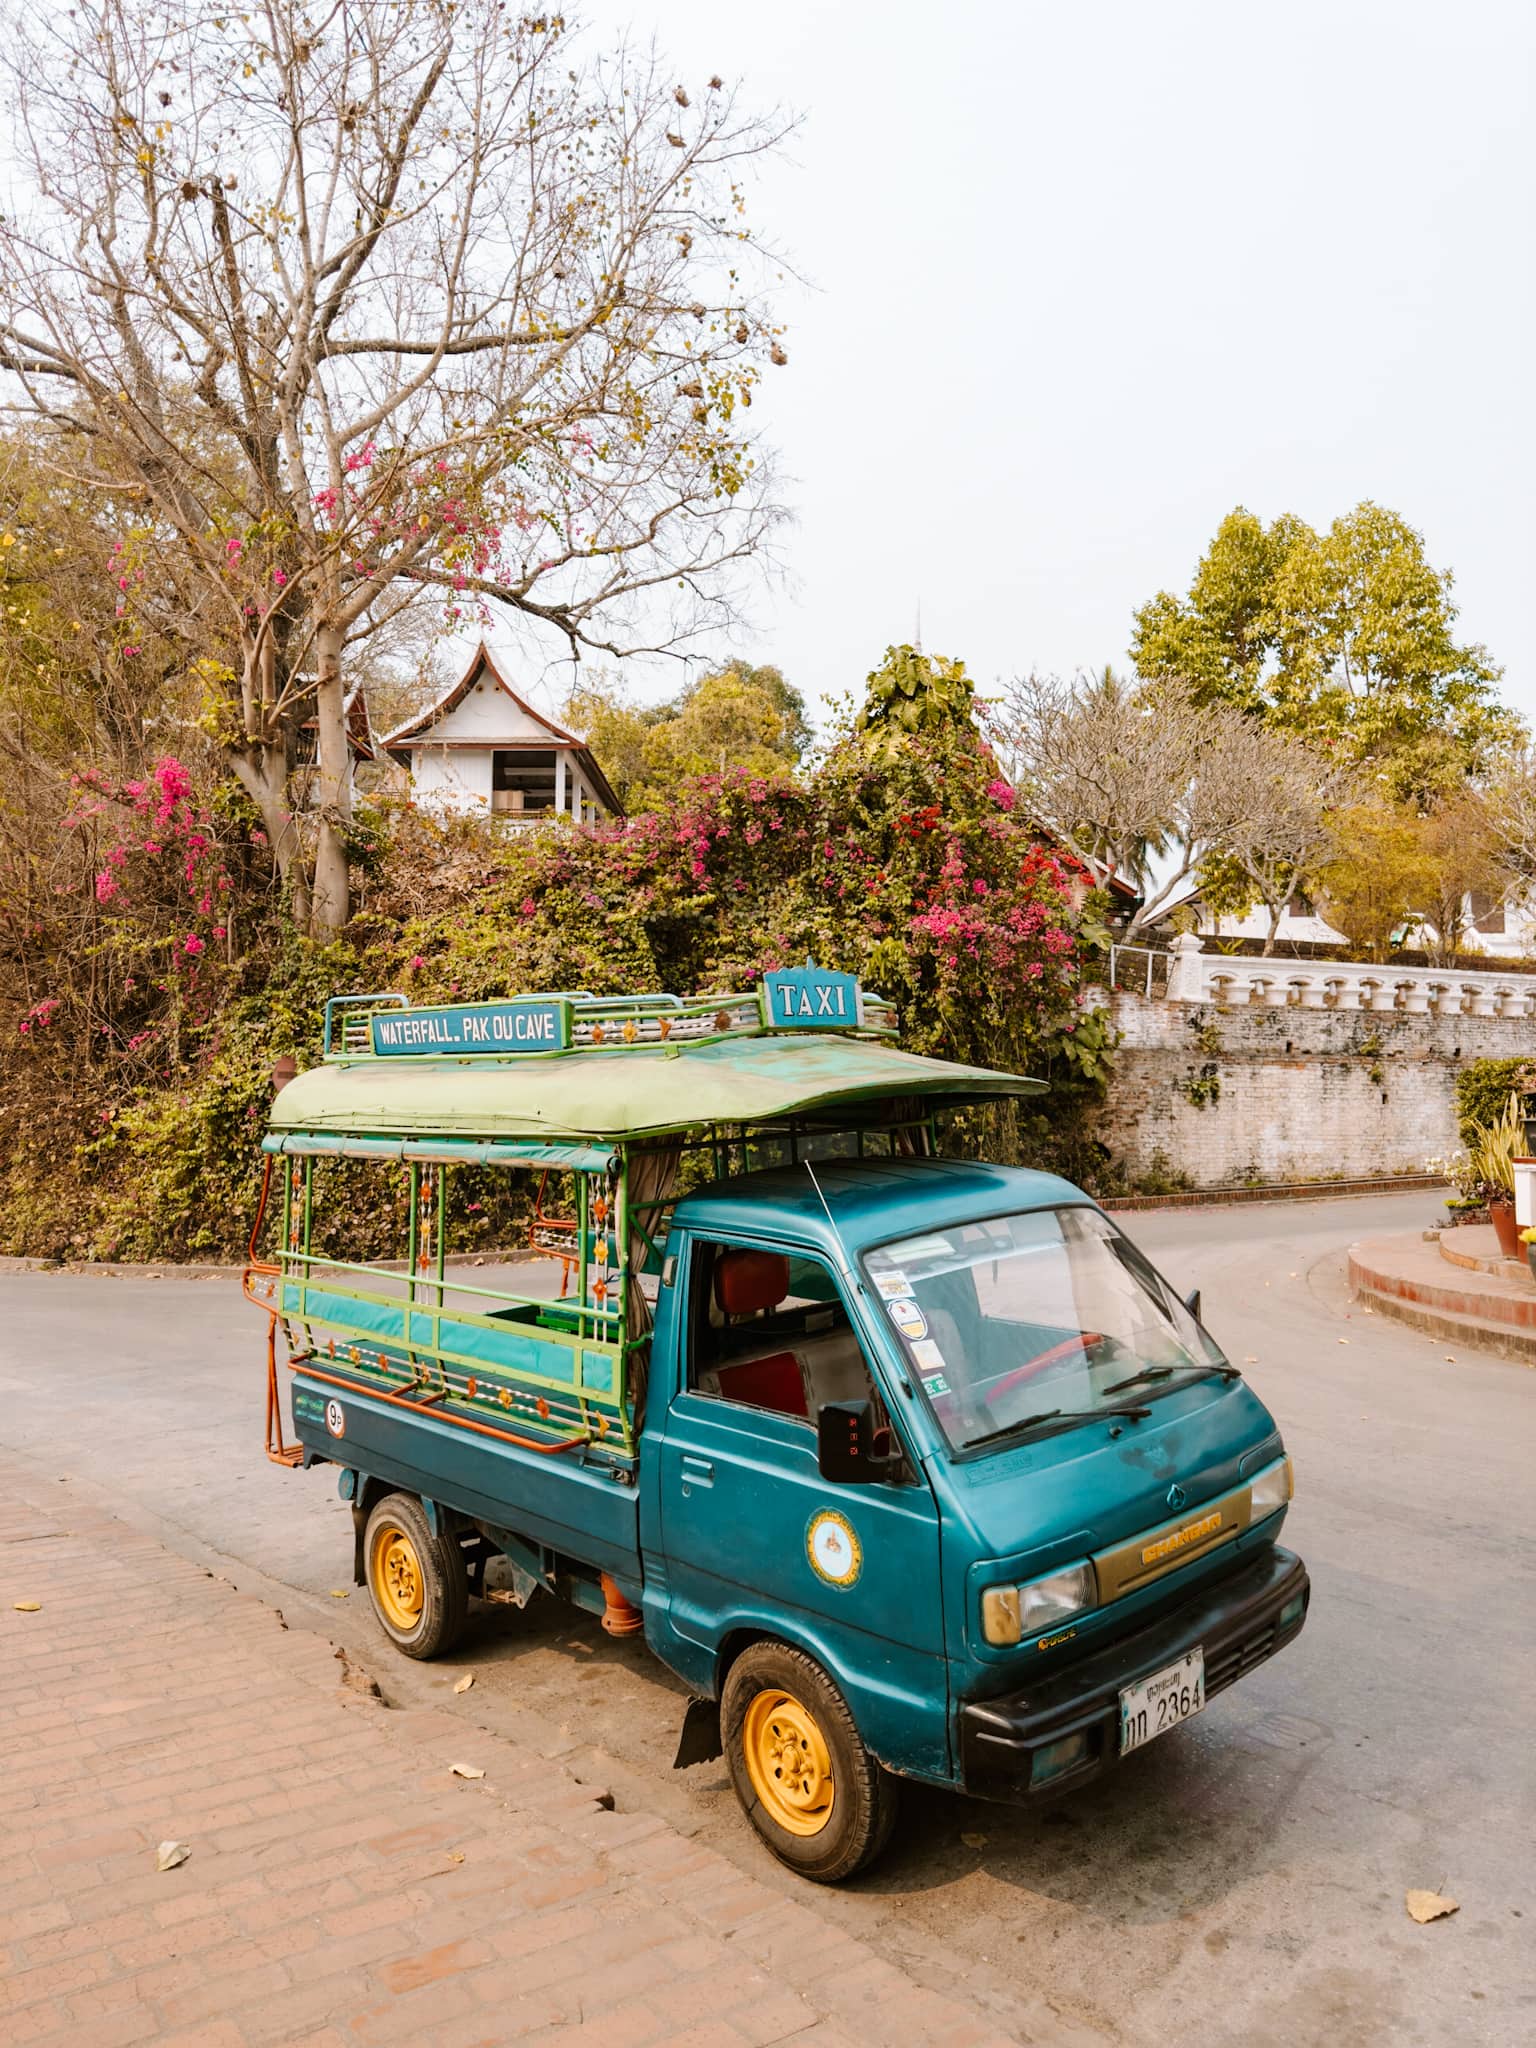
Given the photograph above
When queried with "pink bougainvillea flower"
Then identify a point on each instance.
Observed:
(192, 945)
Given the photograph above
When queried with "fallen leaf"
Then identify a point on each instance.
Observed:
(1343, 1340)
(171, 1855)
(455, 1855)
(1449, 1358)
(974, 1841)
(338, 1594)
(465, 1682)
(28, 1606)
(1425, 1906)
(466, 1770)
(1367, 1311)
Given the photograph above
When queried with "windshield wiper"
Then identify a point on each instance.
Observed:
(1128, 1408)
(1166, 1372)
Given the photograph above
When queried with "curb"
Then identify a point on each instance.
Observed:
(1455, 1314)
(1288, 1191)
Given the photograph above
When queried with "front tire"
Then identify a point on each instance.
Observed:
(805, 1780)
(416, 1579)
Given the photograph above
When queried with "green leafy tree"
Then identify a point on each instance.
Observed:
(740, 716)
(796, 736)
(911, 693)
(1379, 878)
(1345, 638)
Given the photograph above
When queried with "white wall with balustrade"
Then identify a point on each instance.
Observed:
(1235, 981)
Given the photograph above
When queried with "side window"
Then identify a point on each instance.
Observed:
(770, 1333)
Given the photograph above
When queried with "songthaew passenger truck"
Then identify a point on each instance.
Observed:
(911, 1466)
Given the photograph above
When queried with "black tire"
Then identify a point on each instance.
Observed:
(861, 1813)
(416, 1580)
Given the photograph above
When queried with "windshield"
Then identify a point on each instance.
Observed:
(1019, 1315)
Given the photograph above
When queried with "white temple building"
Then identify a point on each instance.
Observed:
(484, 750)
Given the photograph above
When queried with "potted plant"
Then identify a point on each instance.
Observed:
(1493, 1148)
(1465, 1201)
(1528, 1239)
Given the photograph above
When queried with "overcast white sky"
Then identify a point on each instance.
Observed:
(1084, 277)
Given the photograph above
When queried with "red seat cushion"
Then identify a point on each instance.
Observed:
(746, 1283)
(775, 1383)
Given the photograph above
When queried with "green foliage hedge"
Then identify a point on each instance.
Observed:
(906, 866)
(1483, 1089)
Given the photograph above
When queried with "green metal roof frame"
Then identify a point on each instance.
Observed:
(618, 1095)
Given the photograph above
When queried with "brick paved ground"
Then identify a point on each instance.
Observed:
(344, 1888)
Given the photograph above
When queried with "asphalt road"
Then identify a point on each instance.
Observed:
(1240, 1881)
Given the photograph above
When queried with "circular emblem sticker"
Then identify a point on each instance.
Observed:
(335, 1420)
(833, 1549)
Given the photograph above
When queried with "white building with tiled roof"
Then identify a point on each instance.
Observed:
(484, 750)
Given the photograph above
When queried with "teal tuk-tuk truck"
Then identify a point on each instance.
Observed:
(910, 1466)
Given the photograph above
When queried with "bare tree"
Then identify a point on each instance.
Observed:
(1270, 798)
(1111, 769)
(1141, 782)
(362, 302)
(1509, 800)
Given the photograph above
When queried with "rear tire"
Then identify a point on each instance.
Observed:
(804, 1777)
(417, 1579)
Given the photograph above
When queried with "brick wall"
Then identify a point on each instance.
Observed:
(1290, 1094)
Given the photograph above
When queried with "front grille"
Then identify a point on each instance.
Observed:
(1234, 1660)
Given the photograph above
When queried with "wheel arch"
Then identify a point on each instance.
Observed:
(369, 1491)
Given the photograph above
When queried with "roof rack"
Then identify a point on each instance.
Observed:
(556, 1024)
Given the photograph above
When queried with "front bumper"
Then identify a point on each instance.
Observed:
(1236, 1621)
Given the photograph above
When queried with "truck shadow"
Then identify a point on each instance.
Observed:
(1171, 1832)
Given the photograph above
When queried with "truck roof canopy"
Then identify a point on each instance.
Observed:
(621, 1092)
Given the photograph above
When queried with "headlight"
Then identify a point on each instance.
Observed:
(1009, 1613)
(1274, 1486)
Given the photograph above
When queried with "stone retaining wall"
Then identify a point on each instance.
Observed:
(1286, 1094)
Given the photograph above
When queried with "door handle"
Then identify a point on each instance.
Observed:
(697, 1471)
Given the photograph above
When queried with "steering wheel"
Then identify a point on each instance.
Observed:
(1084, 1341)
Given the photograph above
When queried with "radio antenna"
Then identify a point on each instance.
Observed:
(831, 1221)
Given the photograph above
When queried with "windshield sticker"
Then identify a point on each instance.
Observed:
(892, 1284)
(908, 1317)
(934, 1383)
(928, 1356)
(834, 1550)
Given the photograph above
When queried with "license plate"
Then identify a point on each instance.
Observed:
(1162, 1701)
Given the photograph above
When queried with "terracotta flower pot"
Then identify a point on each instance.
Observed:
(1502, 1216)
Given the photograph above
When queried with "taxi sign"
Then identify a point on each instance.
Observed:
(811, 998)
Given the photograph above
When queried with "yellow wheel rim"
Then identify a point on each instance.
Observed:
(397, 1582)
(788, 1763)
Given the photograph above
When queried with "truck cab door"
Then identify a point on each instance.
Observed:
(753, 1540)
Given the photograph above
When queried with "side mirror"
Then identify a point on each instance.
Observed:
(846, 1452)
(1192, 1302)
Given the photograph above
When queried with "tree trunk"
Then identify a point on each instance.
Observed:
(332, 906)
(1276, 912)
(262, 773)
